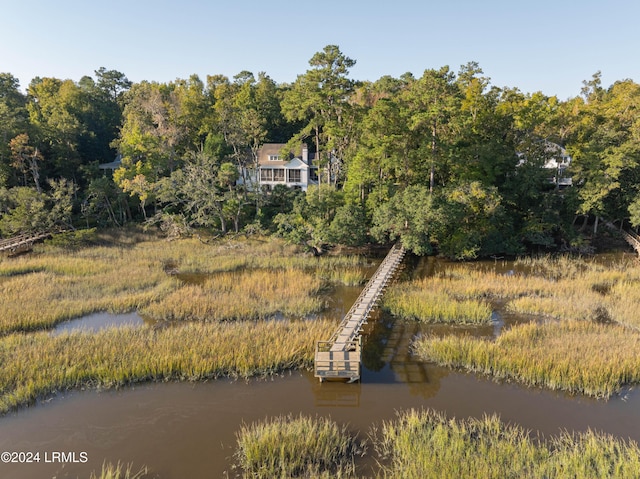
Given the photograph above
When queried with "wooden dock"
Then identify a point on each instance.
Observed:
(633, 240)
(339, 358)
(22, 242)
(629, 236)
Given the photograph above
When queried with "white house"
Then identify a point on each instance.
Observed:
(557, 161)
(293, 170)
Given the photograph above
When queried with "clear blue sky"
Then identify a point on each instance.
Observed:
(537, 45)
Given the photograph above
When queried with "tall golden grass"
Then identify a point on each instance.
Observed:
(40, 290)
(426, 444)
(624, 302)
(576, 356)
(586, 342)
(39, 364)
(247, 278)
(287, 446)
(242, 295)
(120, 471)
(552, 287)
(422, 301)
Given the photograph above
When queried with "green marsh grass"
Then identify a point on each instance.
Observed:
(427, 301)
(624, 301)
(120, 471)
(346, 275)
(287, 446)
(192, 256)
(575, 356)
(37, 365)
(426, 444)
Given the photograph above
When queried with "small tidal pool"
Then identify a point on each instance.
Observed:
(97, 321)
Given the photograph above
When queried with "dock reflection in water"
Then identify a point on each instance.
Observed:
(189, 429)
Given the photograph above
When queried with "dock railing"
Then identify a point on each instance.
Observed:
(22, 241)
(339, 348)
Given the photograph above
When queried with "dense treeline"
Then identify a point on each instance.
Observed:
(445, 162)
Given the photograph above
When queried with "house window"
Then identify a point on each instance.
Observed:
(266, 174)
(294, 176)
(278, 174)
(274, 157)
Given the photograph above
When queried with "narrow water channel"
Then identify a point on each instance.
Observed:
(187, 430)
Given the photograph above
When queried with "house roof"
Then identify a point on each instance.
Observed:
(297, 164)
(271, 149)
(274, 149)
(114, 165)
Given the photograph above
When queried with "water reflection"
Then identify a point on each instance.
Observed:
(188, 430)
(98, 321)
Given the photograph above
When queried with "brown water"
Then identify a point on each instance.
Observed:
(187, 430)
(184, 430)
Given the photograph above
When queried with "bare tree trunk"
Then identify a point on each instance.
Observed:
(584, 223)
(35, 171)
(236, 218)
(223, 225)
(432, 173)
(318, 158)
(110, 211)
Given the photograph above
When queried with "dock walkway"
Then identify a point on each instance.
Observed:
(629, 236)
(340, 356)
(23, 241)
(633, 239)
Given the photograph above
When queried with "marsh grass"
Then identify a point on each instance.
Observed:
(250, 253)
(426, 444)
(40, 290)
(553, 267)
(345, 275)
(39, 364)
(243, 295)
(557, 288)
(120, 471)
(124, 273)
(287, 446)
(576, 356)
(427, 301)
(585, 340)
(624, 302)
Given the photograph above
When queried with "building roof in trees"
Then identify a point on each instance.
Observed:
(269, 151)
